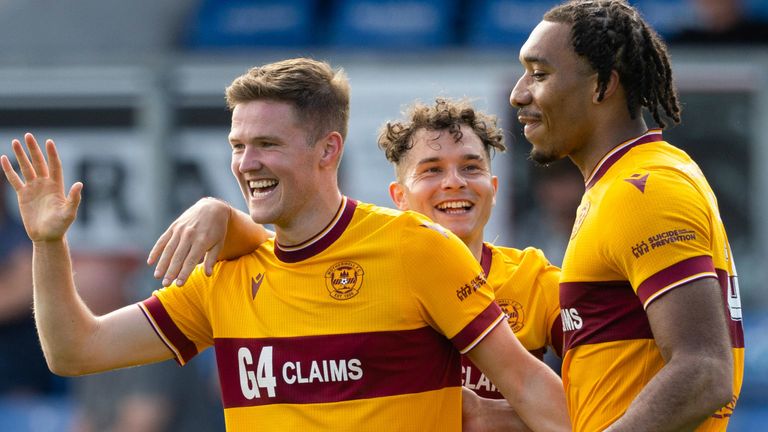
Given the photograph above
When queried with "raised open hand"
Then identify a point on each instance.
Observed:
(46, 212)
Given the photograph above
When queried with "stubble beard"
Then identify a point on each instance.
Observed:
(543, 158)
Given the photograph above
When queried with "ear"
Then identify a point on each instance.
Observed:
(610, 88)
(397, 193)
(331, 149)
(495, 184)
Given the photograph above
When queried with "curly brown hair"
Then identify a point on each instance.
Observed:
(396, 138)
(612, 35)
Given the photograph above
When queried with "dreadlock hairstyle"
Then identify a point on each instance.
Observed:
(611, 35)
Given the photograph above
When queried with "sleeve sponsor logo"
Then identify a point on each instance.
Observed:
(469, 288)
(344, 279)
(662, 239)
(514, 312)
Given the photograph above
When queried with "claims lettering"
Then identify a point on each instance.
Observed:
(253, 382)
(571, 319)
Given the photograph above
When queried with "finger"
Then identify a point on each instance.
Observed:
(10, 173)
(54, 163)
(210, 258)
(157, 249)
(177, 261)
(24, 164)
(38, 160)
(165, 257)
(75, 195)
(193, 258)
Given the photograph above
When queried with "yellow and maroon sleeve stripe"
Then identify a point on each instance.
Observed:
(674, 276)
(477, 329)
(183, 349)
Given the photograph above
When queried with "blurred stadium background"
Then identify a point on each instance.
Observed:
(133, 94)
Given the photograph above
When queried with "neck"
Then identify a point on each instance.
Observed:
(310, 220)
(475, 246)
(603, 142)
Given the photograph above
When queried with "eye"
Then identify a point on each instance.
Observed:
(538, 75)
(237, 146)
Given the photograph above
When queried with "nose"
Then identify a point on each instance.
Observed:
(249, 160)
(520, 96)
(454, 180)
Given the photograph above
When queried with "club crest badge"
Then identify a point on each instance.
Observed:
(581, 214)
(514, 312)
(344, 279)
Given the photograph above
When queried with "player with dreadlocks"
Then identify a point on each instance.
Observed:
(649, 296)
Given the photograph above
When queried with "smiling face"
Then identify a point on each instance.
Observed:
(448, 181)
(276, 168)
(555, 94)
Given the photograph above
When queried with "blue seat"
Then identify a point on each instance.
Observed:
(668, 17)
(393, 23)
(495, 23)
(253, 23)
(758, 8)
(36, 414)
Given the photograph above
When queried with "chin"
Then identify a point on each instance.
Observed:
(543, 158)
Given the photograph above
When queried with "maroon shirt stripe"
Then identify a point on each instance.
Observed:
(735, 326)
(486, 259)
(185, 347)
(334, 368)
(557, 336)
(474, 329)
(292, 256)
(673, 274)
(597, 312)
(474, 379)
(608, 163)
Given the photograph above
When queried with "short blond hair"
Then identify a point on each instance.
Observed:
(318, 93)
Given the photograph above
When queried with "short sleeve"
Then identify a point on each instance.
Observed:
(448, 283)
(177, 314)
(661, 235)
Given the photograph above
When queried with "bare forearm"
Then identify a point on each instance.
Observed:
(681, 396)
(542, 406)
(63, 320)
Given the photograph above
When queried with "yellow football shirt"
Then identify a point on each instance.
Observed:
(648, 223)
(360, 328)
(526, 288)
